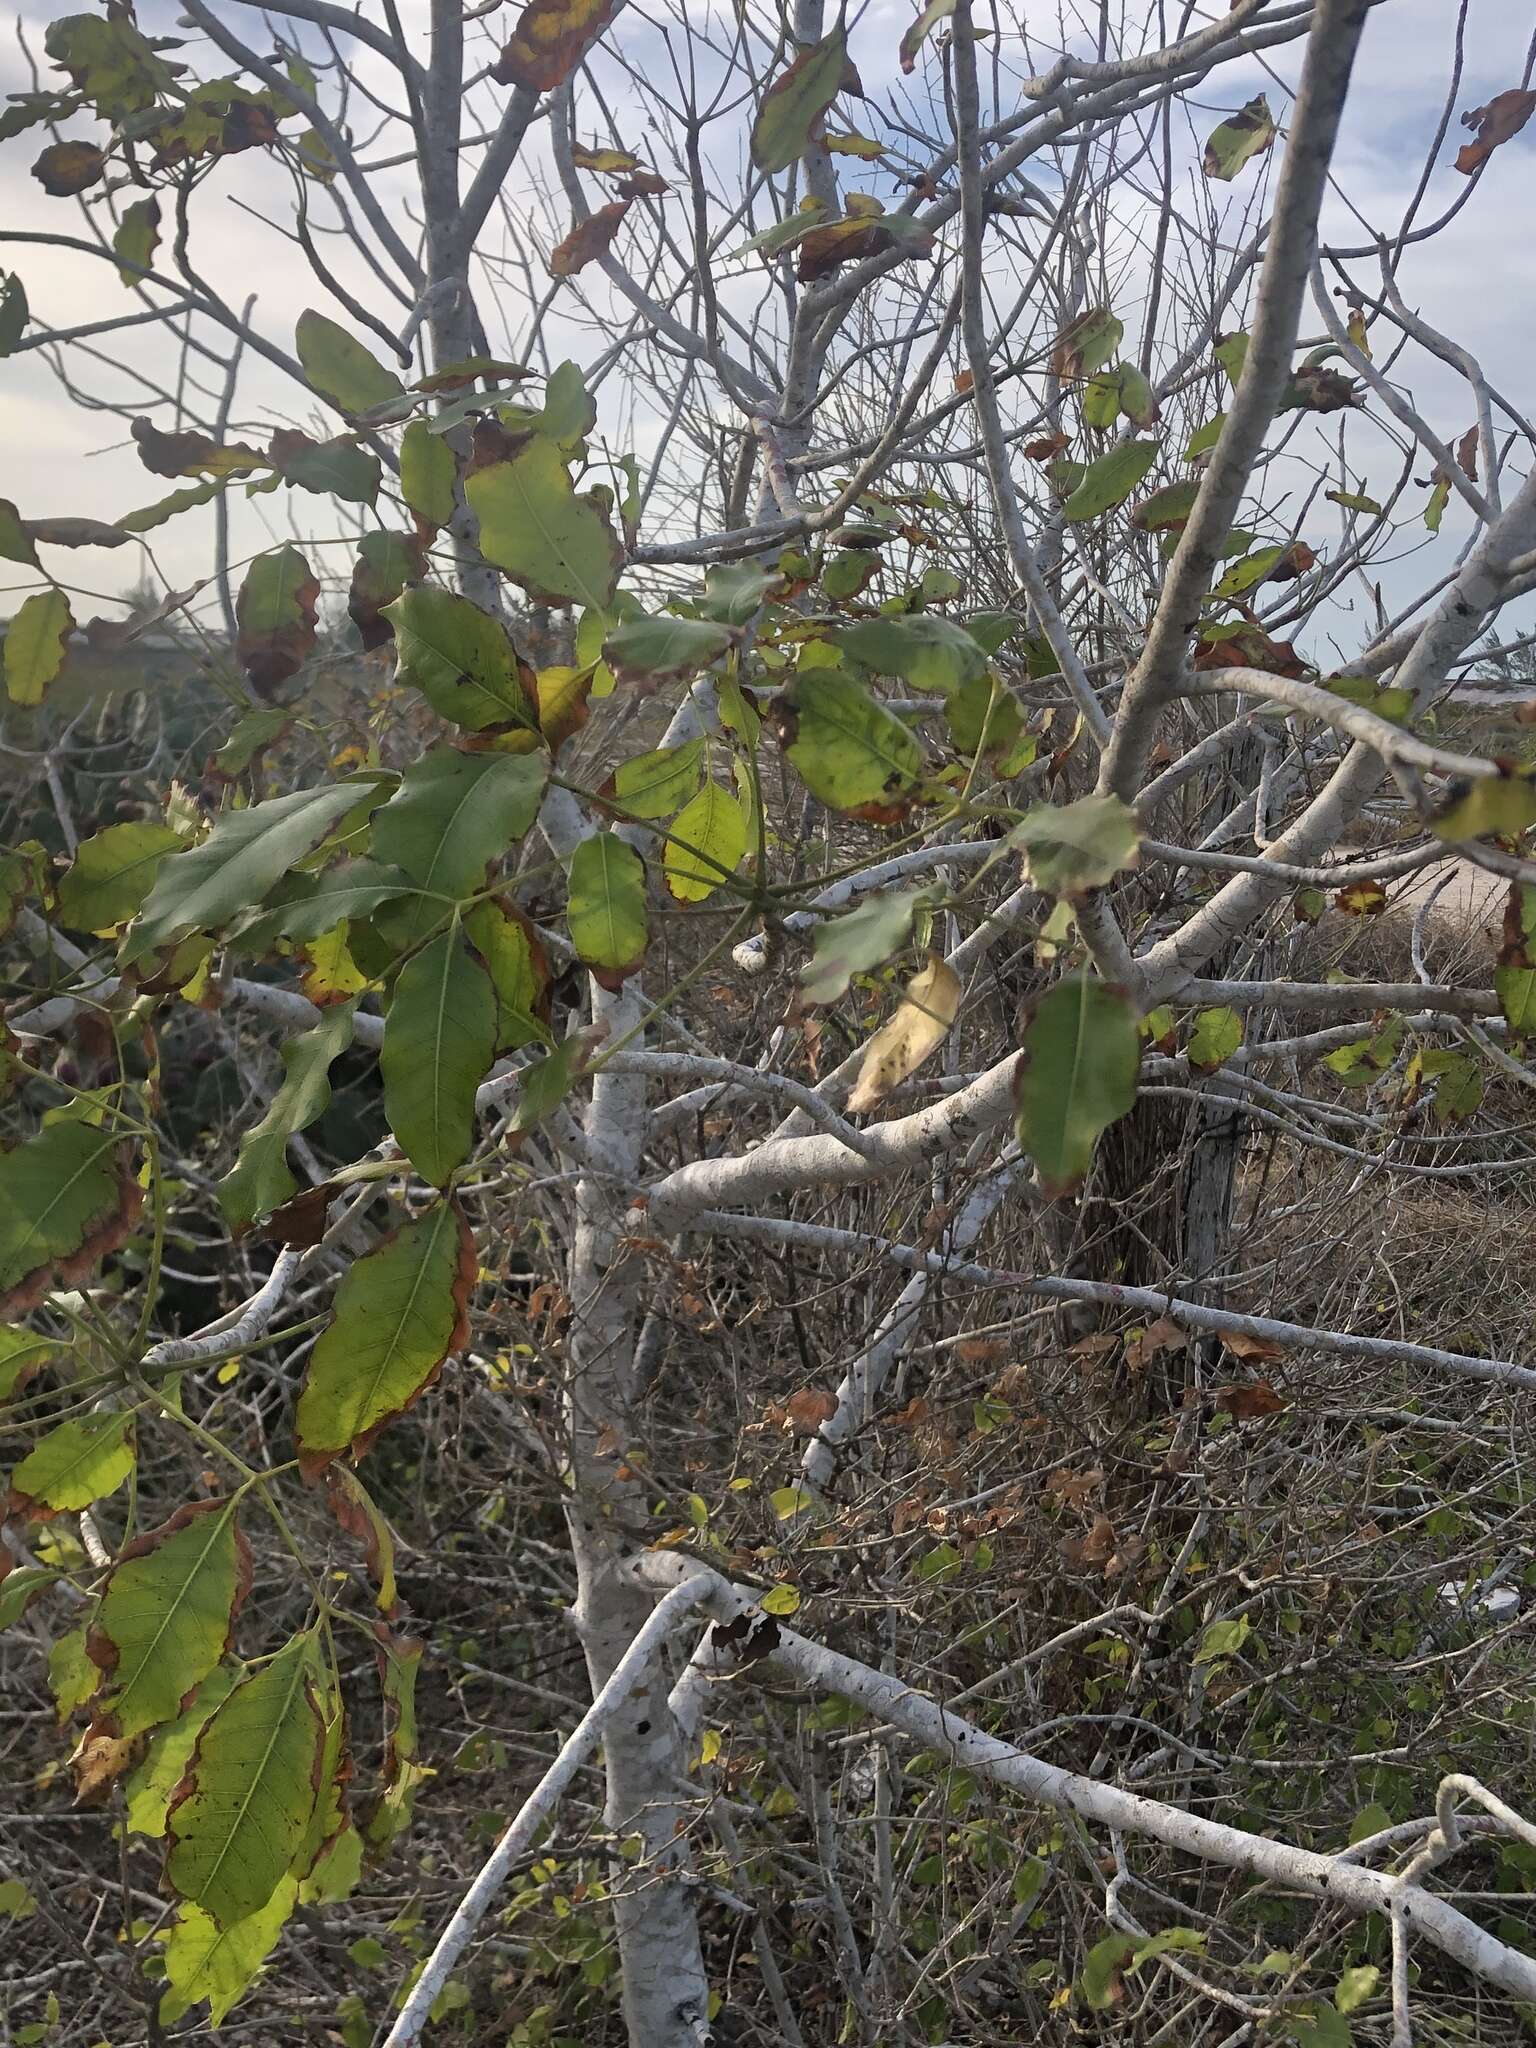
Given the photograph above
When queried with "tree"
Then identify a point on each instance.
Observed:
(918, 692)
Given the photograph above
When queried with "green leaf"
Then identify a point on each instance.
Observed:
(558, 546)
(67, 1198)
(1354, 501)
(340, 368)
(239, 1816)
(35, 643)
(112, 874)
(20, 1587)
(1488, 805)
(1087, 343)
(337, 468)
(253, 733)
(14, 312)
(15, 541)
(260, 1181)
(1516, 990)
(1355, 1987)
(148, 1790)
(1435, 504)
(544, 1084)
(427, 473)
(136, 239)
(1231, 351)
(309, 906)
(788, 1501)
(605, 909)
(662, 648)
(22, 1353)
(927, 651)
(927, 20)
(16, 1902)
(80, 1460)
(705, 845)
(519, 971)
(439, 1041)
(275, 613)
(847, 749)
(166, 1614)
(459, 657)
(1204, 439)
(654, 785)
(246, 853)
(859, 942)
(1071, 848)
(1216, 1037)
(1099, 1981)
(793, 105)
(848, 570)
(1223, 1639)
(451, 816)
(986, 719)
(1079, 1076)
(204, 1960)
(1111, 480)
(167, 508)
(1239, 140)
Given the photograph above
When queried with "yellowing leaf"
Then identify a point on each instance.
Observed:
(558, 546)
(166, 1613)
(605, 908)
(1239, 140)
(793, 105)
(918, 1028)
(1490, 804)
(706, 843)
(35, 642)
(1071, 848)
(67, 1197)
(80, 1460)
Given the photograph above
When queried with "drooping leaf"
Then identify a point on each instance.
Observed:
(35, 643)
(925, 650)
(1239, 139)
(705, 845)
(14, 312)
(247, 852)
(136, 239)
(858, 942)
(276, 612)
(1078, 1077)
(340, 368)
(519, 969)
(67, 1198)
(260, 1181)
(204, 1960)
(459, 657)
(148, 1790)
(80, 1460)
(112, 873)
(848, 750)
(386, 563)
(662, 648)
(15, 541)
(793, 105)
(399, 1663)
(1071, 848)
(166, 1614)
(558, 546)
(605, 908)
(439, 1041)
(919, 1027)
(1111, 479)
(239, 1815)
(427, 473)
(927, 21)
(588, 239)
(1086, 344)
(400, 1312)
(453, 814)
(167, 508)
(1516, 991)
(358, 1513)
(549, 41)
(188, 454)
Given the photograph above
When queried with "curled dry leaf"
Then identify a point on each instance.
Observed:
(1250, 1349)
(1248, 1402)
(588, 240)
(1505, 115)
(901, 1045)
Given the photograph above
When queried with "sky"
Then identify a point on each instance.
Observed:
(1477, 281)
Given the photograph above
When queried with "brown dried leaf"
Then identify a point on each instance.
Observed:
(808, 1409)
(1252, 1350)
(1155, 1339)
(65, 168)
(1247, 1401)
(550, 40)
(588, 240)
(1504, 115)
